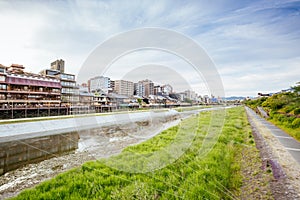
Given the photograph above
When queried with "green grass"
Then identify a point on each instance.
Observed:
(196, 174)
(283, 109)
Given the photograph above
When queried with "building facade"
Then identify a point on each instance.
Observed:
(100, 83)
(27, 90)
(139, 89)
(149, 87)
(69, 89)
(123, 87)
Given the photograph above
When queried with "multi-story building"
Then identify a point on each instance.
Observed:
(100, 83)
(149, 87)
(123, 87)
(112, 86)
(139, 89)
(69, 89)
(85, 97)
(21, 89)
(157, 90)
(190, 94)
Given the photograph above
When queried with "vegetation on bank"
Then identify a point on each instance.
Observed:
(193, 176)
(283, 109)
(190, 108)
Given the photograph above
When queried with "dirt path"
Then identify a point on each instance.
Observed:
(285, 168)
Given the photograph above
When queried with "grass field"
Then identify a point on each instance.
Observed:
(196, 174)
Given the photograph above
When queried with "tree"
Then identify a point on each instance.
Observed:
(296, 88)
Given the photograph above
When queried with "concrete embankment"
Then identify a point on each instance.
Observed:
(30, 142)
(15, 154)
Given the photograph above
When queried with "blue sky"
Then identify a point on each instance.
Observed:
(254, 44)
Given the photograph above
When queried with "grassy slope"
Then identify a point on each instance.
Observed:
(284, 111)
(215, 176)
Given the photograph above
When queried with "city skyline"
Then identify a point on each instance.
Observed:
(254, 44)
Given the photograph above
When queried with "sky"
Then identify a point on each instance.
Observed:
(254, 44)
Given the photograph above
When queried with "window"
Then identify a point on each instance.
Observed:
(2, 78)
(3, 87)
(67, 76)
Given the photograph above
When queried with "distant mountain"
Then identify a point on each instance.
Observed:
(234, 98)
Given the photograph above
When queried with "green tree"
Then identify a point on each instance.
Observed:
(296, 88)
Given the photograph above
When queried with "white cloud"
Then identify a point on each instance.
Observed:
(245, 38)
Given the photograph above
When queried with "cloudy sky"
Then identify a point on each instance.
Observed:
(254, 44)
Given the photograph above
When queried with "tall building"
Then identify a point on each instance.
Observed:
(149, 87)
(139, 89)
(58, 65)
(69, 89)
(112, 85)
(100, 83)
(124, 87)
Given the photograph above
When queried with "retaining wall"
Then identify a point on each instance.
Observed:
(15, 154)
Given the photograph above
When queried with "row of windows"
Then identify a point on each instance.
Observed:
(69, 84)
(69, 90)
(67, 76)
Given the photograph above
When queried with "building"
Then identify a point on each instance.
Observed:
(149, 87)
(112, 86)
(139, 89)
(20, 89)
(190, 94)
(85, 97)
(157, 90)
(69, 89)
(58, 65)
(99, 83)
(123, 87)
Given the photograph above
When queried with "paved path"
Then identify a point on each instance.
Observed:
(289, 143)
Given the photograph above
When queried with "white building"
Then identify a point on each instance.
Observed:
(190, 94)
(100, 83)
(139, 89)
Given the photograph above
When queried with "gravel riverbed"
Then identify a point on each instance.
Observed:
(93, 144)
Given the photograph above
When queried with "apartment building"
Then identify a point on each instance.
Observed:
(100, 83)
(139, 89)
(149, 87)
(123, 87)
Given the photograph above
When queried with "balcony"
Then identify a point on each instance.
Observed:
(30, 92)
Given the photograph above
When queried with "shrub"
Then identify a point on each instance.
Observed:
(297, 111)
(296, 123)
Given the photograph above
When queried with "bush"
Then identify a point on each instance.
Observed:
(297, 111)
(296, 123)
